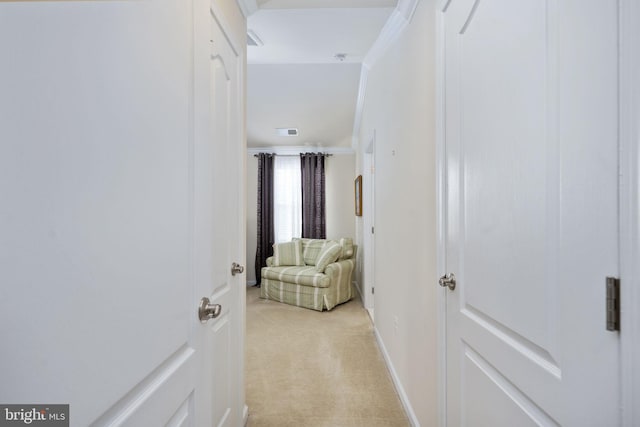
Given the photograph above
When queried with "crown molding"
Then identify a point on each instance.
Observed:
(395, 25)
(362, 90)
(407, 8)
(296, 150)
(247, 7)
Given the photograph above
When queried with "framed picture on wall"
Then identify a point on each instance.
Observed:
(358, 195)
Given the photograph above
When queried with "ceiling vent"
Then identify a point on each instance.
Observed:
(253, 39)
(287, 131)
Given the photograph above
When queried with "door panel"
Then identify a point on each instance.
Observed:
(496, 143)
(515, 408)
(94, 215)
(531, 171)
(99, 256)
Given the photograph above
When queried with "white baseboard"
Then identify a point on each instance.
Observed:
(396, 382)
(371, 315)
(245, 415)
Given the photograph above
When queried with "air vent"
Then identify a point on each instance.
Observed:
(253, 39)
(287, 131)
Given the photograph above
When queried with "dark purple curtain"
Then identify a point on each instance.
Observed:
(265, 213)
(313, 198)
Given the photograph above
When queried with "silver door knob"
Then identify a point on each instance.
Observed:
(448, 280)
(236, 269)
(207, 311)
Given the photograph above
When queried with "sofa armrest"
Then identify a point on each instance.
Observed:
(270, 261)
(344, 266)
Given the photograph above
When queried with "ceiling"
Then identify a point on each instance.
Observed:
(294, 79)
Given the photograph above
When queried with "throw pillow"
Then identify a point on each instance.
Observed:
(289, 253)
(329, 253)
(311, 249)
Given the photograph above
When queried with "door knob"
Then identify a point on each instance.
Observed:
(448, 280)
(207, 311)
(236, 269)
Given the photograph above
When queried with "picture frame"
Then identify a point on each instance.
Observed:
(358, 195)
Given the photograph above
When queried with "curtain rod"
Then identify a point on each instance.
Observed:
(296, 155)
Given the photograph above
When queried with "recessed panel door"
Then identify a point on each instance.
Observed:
(219, 270)
(531, 212)
(99, 213)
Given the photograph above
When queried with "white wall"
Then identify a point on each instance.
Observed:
(400, 107)
(339, 177)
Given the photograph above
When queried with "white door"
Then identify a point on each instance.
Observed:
(100, 260)
(218, 180)
(531, 212)
(368, 183)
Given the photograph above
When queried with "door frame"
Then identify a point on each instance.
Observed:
(369, 223)
(441, 217)
(628, 208)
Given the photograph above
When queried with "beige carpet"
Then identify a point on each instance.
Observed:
(306, 368)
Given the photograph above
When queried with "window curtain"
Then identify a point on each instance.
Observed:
(287, 198)
(265, 212)
(313, 197)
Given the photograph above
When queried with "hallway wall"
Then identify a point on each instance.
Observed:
(339, 176)
(400, 108)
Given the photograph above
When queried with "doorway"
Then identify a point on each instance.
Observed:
(368, 255)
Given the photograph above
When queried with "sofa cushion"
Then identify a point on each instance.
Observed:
(311, 249)
(289, 253)
(347, 248)
(306, 276)
(329, 253)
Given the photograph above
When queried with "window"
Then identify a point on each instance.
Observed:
(287, 203)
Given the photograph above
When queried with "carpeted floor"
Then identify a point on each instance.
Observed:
(306, 368)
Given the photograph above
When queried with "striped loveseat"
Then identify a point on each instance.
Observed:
(310, 273)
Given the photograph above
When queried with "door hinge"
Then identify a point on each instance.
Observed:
(372, 230)
(613, 304)
(373, 290)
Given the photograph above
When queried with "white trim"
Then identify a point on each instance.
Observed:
(396, 23)
(357, 120)
(396, 381)
(629, 184)
(245, 415)
(218, 16)
(292, 151)
(389, 33)
(247, 7)
(441, 216)
(368, 222)
(407, 8)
